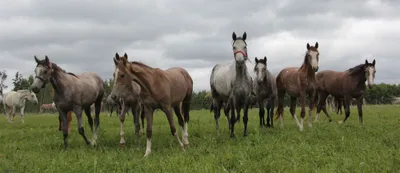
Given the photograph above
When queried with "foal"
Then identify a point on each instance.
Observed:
(265, 89)
(299, 82)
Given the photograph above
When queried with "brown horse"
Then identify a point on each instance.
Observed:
(47, 107)
(298, 82)
(347, 85)
(160, 89)
(72, 92)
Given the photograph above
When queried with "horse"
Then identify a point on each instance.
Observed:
(111, 105)
(160, 89)
(92, 107)
(50, 107)
(126, 93)
(265, 89)
(231, 84)
(72, 93)
(299, 82)
(17, 99)
(347, 85)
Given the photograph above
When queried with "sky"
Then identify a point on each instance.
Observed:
(83, 36)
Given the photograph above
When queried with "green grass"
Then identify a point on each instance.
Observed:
(37, 146)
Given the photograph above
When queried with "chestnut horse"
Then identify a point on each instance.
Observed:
(299, 82)
(72, 93)
(48, 107)
(347, 85)
(160, 89)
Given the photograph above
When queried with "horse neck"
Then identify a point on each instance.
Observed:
(241, 71)
(144, 76)
(360, 78)
(57, 81)
(307, 69)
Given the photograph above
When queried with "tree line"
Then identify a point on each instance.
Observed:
(379, 94)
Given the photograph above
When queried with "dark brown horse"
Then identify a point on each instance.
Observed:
(72, 93)
(160, 89)
(347, 85)
(298, 82)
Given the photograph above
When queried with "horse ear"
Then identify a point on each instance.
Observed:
(115, 61)
(36, 59)
(244, 36)
(256, 60)
(117, 56)
(265, 59)
(316, 45)
(234, 36)
(47, 61)
(308, 46)
(126, 56)
(373, 63)
(366, 62)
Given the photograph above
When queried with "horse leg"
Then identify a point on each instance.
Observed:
(136, 113)
(97, 107)
(261, 113)
(112, 107)
(168, 112)
(303, 109)
(292, 110)
(346, 100)
(270, 111)
(69, 119)
(63, 116)
(121, 120)
(226, 112)
(178, 114)
(142, 115)
(359, 107)
(8, 114)
(149, 118)
(245, 117)
(186, 115)
(81, 130)
(311, 98)
(13, 113)
(89, 117)
(233, 118)
(217, 112)
(279, 110)
(22, 109)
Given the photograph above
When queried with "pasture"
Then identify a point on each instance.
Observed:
(37, 145)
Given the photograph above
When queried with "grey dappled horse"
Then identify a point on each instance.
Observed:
(71, 93)
(232, 84)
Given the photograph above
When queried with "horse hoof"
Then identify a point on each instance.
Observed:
(340, 122)
(121, 145)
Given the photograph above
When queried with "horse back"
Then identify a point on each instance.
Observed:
(330, 81)
(180, 84)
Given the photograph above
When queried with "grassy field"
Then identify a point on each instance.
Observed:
(36, 146)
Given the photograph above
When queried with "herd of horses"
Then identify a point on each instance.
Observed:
(142, 89)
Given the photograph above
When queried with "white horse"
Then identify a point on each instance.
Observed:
(222, 80)
(17, 99)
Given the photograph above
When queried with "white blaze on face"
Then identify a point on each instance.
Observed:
(370, 75)
(116, 75)
(259, 72)
(314, 61)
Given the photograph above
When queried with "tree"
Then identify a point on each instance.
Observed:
(20, 83)
(3, 78)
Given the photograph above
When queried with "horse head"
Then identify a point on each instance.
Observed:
(312, 56)
(239, 47)
(370, 72)
(43, 72)
(122, 80)
(260, 69)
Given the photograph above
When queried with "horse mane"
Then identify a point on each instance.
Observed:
(143, 65)
(356, 69)
(59, 69)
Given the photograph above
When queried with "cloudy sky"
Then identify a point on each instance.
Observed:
(84, 36)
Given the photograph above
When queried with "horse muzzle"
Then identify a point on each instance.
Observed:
(370, 86)
(316, 69)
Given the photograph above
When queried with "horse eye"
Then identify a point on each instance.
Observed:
(45, 71)
(122, 75)
(234, 47)
(245, 47)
